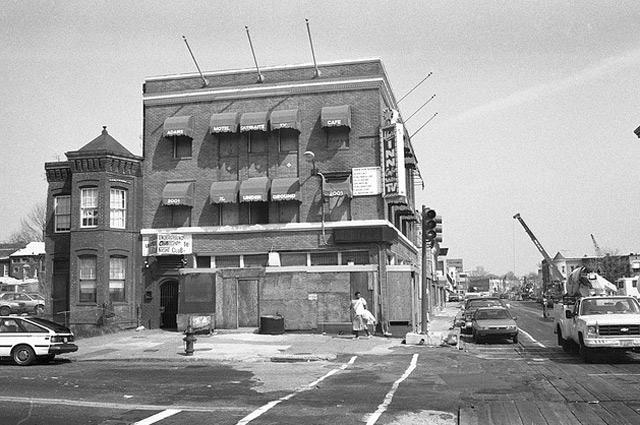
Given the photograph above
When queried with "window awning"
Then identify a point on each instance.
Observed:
(254, 121)
(285, 189)
(226, 122)
(179, 126)
(336, 116)
(178, 194)
(255, 189)
(224, 192)
(332, 187)
(289, 118)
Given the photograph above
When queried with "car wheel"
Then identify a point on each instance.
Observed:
(585, 352)
(515, 339)
(5, 311)
(23, 355)
(39, 310)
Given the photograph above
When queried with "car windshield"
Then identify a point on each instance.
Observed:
(484, 303)
(51, 325)
(610, 306)
(492, 314)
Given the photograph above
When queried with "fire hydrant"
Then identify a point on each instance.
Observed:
(189, 339)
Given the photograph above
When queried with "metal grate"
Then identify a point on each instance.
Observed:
(611, 330)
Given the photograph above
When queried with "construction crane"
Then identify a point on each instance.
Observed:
(596, 246)
(556, 275)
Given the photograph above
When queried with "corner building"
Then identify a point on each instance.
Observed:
(274, 198)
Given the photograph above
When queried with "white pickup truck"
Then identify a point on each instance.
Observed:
(597, 323)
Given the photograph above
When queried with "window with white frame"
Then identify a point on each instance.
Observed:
(62, 213)
(118, 208)
(117, 274)
(89, 207)
(87, 277)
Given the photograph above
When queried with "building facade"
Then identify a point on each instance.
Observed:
(280, 197)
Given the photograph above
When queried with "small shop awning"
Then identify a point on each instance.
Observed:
(289, 118)
(255, 189)
(332, 187)
(226, 122)
(224, 192)
(285, 189)
(179, 126)
(336, 116)
(178, 194)
(254, 121)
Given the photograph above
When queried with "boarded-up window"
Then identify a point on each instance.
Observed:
(256, 260)
(293, 258)
(203, 262)
(198, 289)
(355, 257)
(324, 258)
(227, 261)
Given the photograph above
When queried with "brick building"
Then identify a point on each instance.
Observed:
(274, 198)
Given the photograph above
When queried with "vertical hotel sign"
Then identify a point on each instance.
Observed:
(394, 178)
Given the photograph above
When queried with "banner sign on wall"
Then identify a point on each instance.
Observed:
(170, 244)
(394, 173)
(367, 181)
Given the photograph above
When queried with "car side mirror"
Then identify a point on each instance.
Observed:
(568, 314)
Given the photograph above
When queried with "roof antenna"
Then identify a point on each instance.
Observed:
(313, 53)
(260, 76)
(205, 83)
(421, 127)
(415, 87)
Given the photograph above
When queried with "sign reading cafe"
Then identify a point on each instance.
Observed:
(394, 173)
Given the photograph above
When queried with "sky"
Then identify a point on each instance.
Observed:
(536, 101)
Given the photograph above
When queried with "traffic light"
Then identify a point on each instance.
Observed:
(429, 225)
(438, 229)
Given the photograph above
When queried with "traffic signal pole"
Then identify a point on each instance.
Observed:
(426, 269)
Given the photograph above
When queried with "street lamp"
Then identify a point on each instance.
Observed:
(311, 157)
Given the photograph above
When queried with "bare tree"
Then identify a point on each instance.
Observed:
(32, 226)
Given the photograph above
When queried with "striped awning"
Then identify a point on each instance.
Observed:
(179, 126)
(226, 122)
(254, 121)
(336, 116)
(255, 189)
(224, 192)
(285, 189)
(178, 194)
(289, 118)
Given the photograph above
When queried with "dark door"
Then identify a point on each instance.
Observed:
(168, 304)
(247, 303)
(60, 292)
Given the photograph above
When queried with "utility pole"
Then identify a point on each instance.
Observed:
(426, 268)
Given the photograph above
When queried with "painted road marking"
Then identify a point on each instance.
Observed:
(116, 406)
(256, 413)
(157, 417)
(387, 399)
(538, 343)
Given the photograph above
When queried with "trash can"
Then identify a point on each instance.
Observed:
(272, 325)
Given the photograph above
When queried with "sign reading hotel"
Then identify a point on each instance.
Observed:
(170, 244)
(367, 181)
(394, 173)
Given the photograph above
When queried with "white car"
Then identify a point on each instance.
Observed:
(27, 339)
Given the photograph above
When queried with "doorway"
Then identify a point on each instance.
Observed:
(247, 303)
(168, 304)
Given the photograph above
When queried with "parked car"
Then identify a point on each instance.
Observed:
(7, 307)
(470, 307)
(453, 297)
(493, 322)
(26, 339)
(24, 303)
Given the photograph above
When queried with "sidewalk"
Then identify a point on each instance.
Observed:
(245, 345)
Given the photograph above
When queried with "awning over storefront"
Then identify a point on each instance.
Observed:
(289, 118)
(332, 186)
(285, 189)
(255, 189)
(179, 126)
(178, 194)
(254, 121)
(226, 122)
(224, 192)
(336, 116)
